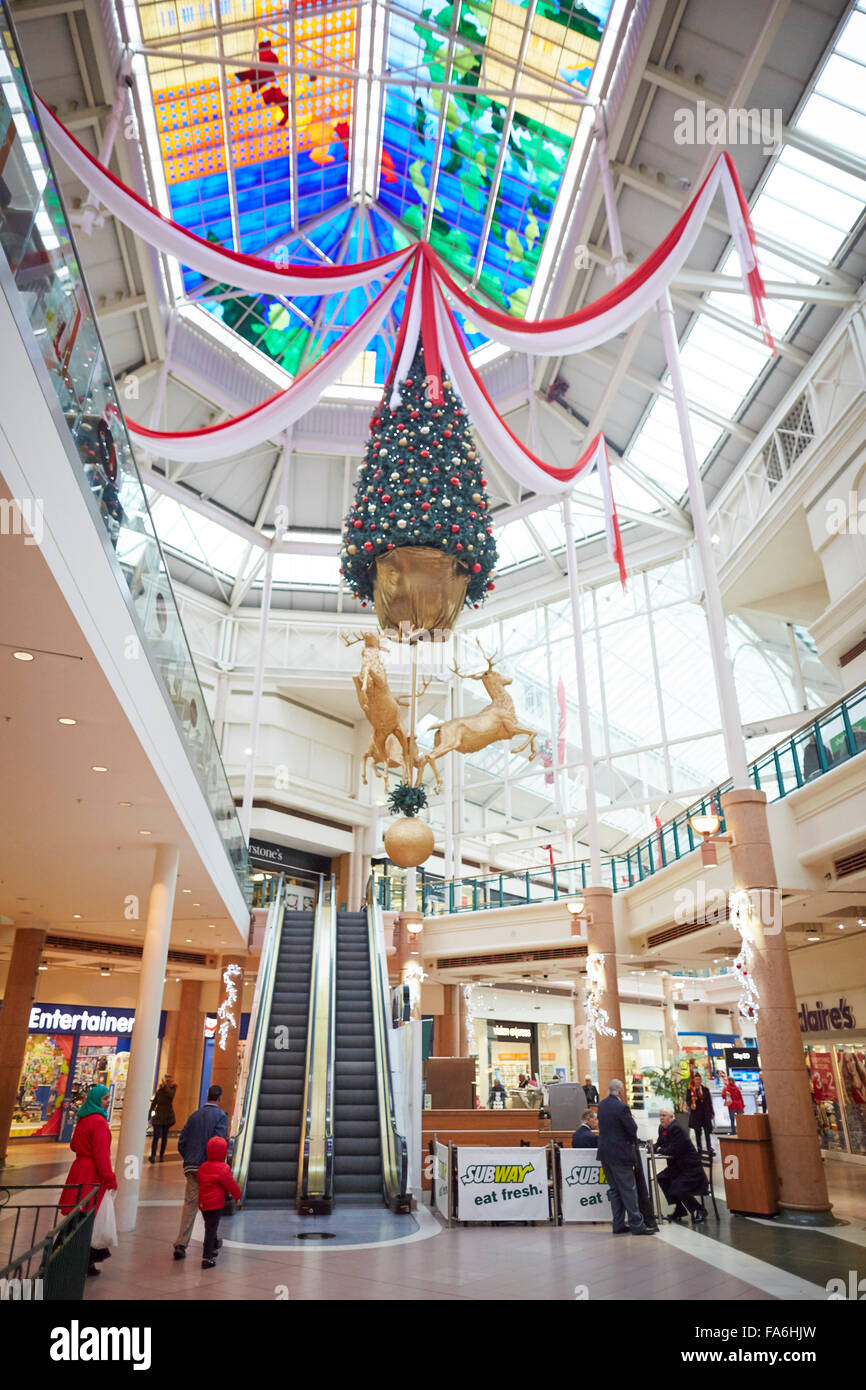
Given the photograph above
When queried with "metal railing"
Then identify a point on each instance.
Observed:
(395, 1157)
(260, 1016)
(316, 1154)
(829, 739)
(53, 1264)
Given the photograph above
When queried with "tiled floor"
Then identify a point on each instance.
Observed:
(736, 1260)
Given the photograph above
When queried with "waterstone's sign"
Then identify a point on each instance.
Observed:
(585, 1190)
(826, 1020)
(67, 1018)
(502, 1185)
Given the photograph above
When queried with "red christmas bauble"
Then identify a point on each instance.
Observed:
(386, 497)
(454, 529)
(455, 482)
(438, 526)
(425, 506)
(458, 546)
(491, 585)
(368, 545)
(358, 525)
(476, 568)
(447, 434)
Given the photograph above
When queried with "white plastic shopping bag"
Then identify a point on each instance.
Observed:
(198, 1228)
(105, 1224)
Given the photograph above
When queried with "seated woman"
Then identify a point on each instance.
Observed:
(683, 1179)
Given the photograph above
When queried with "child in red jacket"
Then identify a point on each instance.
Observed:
(215, 1183)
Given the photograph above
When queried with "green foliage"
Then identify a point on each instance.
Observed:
(667, 1083)
(421, 484)
(406, 800)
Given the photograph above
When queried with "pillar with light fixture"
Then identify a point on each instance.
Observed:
(409, 957)
(225, 1059)
(187, 1047)
(580, 1040)
(803, 1196)
(145, 1036)
(592, 920)
(18, 999)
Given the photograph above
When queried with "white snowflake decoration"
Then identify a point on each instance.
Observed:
(597, 1016)
(750, 1000)
(224, 1012)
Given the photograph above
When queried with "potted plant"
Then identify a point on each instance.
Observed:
(669, 1084)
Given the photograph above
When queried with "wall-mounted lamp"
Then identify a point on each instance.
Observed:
(579, 917)
(706, 824)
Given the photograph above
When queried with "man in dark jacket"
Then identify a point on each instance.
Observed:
(586, 1134)
(617, 1134)
(590, 1091)
(700, 1111)
(202, 1125)
(683, 1179)
(162, 1116)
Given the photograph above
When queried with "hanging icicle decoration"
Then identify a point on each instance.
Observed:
(596, 1015)
(740, 906)
(224, 1012)
(468, 991)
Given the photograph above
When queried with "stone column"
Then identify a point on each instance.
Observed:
(14, 1020)
(408, 957)
(225, 1060)
(145, 1036)
(671, 1020)
(187, 1050)
(462, 1035)
(447, 1025)
(802, 1184)
(580, 1041)
(602, 943)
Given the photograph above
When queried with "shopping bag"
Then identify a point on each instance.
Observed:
(198, 1228)
(105, 1224)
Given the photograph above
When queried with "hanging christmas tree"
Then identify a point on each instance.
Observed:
(421, 484)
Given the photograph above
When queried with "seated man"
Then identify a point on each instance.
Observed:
(586, 1134)
(683, 1179)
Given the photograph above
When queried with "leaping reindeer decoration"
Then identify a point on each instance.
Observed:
(389, 744)
(472, 732)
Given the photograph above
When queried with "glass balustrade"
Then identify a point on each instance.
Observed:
(44, 278)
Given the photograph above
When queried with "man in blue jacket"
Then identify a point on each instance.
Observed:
(202, 1125)
(617, 1134)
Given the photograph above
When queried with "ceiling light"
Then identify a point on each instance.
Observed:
(145, 832)
(188, 940)
(211, 926)
(813, 938)
(43, 967)
(196, 904)
(23, 656)
(575, 907)
(124, 803)
(186, 890)
(705, 824)
(96, 768)
(104, 970)
(67, 721)
(841, 926)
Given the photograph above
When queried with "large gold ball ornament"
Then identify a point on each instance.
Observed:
(408, 842)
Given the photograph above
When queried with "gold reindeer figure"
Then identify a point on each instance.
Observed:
(470, 733)
(389, 744)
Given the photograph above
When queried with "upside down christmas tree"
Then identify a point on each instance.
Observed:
(421, 487)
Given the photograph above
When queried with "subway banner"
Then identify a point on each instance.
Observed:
(502, 1185)
(441, 1178)
(585, 1193)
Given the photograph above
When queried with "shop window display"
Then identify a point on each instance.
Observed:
(42, 1087)
(826, 1102)
(851, 1062)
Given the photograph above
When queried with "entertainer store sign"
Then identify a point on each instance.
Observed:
(502, 1185)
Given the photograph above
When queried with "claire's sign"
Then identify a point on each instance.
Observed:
(826, 1020)
(502, 1185)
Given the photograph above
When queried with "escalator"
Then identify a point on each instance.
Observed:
(357, 1145)
(272, 1176)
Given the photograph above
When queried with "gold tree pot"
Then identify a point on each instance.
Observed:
(416, 587)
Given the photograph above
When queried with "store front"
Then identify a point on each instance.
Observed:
(834, 1038)
(70, 1048)
(507, 1049)
(642, 1051)
(299, 869)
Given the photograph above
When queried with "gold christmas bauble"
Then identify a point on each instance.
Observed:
(408, 842)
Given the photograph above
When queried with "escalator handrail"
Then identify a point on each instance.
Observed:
(395, 1157)
(316, 1150)
(260, 1014)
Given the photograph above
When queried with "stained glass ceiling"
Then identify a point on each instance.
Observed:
(391, 121)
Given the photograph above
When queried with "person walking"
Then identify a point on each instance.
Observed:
(683, 1179)
(590, 1091)
(732, 1097)
(215, 1185)
(204, 1124)
(91, 1144)
(617, 1134)
(700, 1112)
(162, 1116)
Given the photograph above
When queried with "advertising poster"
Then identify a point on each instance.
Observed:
(502, 1185)
(441, 1178)
(852, 1070)
(585, 1192)
(823, 1080)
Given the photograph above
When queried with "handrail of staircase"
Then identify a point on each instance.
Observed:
(395, 1157)
(260, 1013)
(316, 1152)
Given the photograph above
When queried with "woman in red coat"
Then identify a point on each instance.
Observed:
(91, 1144)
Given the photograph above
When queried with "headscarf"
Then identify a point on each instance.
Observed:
(93, 1103)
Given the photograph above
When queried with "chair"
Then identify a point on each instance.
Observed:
(707, 1162)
